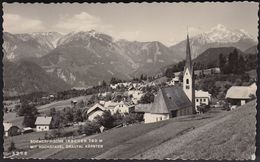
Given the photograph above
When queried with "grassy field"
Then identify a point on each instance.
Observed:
(215, 135)
(58, 105)
(22, 142)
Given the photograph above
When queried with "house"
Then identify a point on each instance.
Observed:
(201, 97)
(168, 103)
(113, 86)
(174, 81)
(239, 95)
(10, 129)
(94, 111)
(136, 95)
(123, 107)
(43, 123)
(209, 71)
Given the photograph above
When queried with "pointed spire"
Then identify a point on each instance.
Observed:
(188, 63)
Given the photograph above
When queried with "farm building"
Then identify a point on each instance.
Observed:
(239, 95)
(94, 111)
(10, 129)
(27, 130)
(168, 103)
(201, 97)
(124, 107)
(43, 123)
(209, 71)
(174, 81)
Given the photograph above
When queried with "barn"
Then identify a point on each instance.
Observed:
(239, 95)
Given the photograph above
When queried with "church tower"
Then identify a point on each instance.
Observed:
(188, 76)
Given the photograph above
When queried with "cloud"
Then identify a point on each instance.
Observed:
(17, 24)
(80, 22)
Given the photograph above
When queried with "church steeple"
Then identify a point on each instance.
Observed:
(188, 63)
(188, 79)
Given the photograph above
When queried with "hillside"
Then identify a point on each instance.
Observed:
(149, 57)
(21, 46)
(25, 77)
(251, 50)
(85, 58)
(189, 137)
(211, 55)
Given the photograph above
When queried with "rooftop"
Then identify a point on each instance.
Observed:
(43, 120)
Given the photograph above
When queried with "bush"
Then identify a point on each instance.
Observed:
(89, 128)
(12, 147)
(147, 98)
(106, 120)
(132, 118)
(203, 108)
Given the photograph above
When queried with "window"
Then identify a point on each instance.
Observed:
(187, 81)
(200, 100)
(204, 99)
(45, 127)
(197, 100)
(160, 118)
(187, 87)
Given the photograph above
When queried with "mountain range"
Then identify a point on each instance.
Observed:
(218, 36)
(85, 58)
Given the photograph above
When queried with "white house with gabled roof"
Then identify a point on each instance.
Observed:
(43, 123)
(94, 111)
(202, 97)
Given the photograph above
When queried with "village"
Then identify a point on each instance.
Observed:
(122, 104)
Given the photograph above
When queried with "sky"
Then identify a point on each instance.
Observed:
(164, 22)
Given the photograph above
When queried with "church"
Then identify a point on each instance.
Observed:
(175, 100)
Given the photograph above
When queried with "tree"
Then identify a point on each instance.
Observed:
(81, 104)
(27, 108)
(29, 120)
(169, 73)
(77, 116)
(104, 84)
(58, 120)
(52, 112)
(147, 98)
(69, 115)
(241, 65)
(30, 113)
(11, 147)
(233, 62)
(106, 120)
(222, 63)
(89, 128)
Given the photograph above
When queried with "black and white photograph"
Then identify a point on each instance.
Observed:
(130, 80)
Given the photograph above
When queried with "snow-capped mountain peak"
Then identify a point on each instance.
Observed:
(222, 34)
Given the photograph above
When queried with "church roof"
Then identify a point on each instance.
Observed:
(170, 98)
